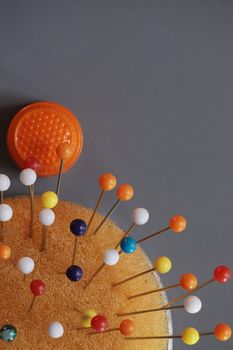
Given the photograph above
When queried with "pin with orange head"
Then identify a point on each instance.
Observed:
(191, 336)
(221, 274)
(5, 254)
(64, 152)
(126, 328)
(177, 224)
(107, 182)
(124, 193)
(188, 282)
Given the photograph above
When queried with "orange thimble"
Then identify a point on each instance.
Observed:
(38, 129)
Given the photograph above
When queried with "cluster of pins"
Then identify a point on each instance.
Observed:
(49, 199)
(92, 322)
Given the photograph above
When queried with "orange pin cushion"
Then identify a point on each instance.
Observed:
(38, 129)
(66, 301)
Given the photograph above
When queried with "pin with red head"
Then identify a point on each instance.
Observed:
(98, 323)
(126, 328)
(221, 274)
(37, 288)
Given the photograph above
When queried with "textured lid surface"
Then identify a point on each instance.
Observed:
(37, 129)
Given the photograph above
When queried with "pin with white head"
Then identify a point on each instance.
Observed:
(55, 330)
(25, 265)
(6, 214)
(46, 218)
(140, 216)
(192, 305)
(4, 186)
(28, 178)
(110, 258)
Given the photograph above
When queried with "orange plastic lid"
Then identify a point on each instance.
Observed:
(37, 130)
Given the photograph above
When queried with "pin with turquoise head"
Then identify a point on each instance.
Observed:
(128, 245)
(8, 333)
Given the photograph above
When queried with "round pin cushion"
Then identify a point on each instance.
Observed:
(37, 130)
(66, 301)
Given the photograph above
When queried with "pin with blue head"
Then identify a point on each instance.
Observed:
(74, 273)
(78, 227)
(128, 245)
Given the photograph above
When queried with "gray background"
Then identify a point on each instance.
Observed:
(151, 83)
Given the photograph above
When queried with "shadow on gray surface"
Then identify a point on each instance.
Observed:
(7, 112)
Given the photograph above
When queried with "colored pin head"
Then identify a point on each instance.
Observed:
(127, 327)
(190, 336)
(8, 333)
(222, 332)
(64, 150)
(32, 163)
(125, 192)
(111, 257)
(99, 323)
(49, 199)
(37, 287)
(192, 304)
(26, 265)
(188, 281)
(87, 317)
(107, 182)
(140, 216)
(5, 252)
(46, 217)
(6, 212)
(222, 274)
(28, 177)
(74, 273)
(4, 182)
(55, 330)
(78, 227)
(163, 264)
(177, 223)
(128, 245)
